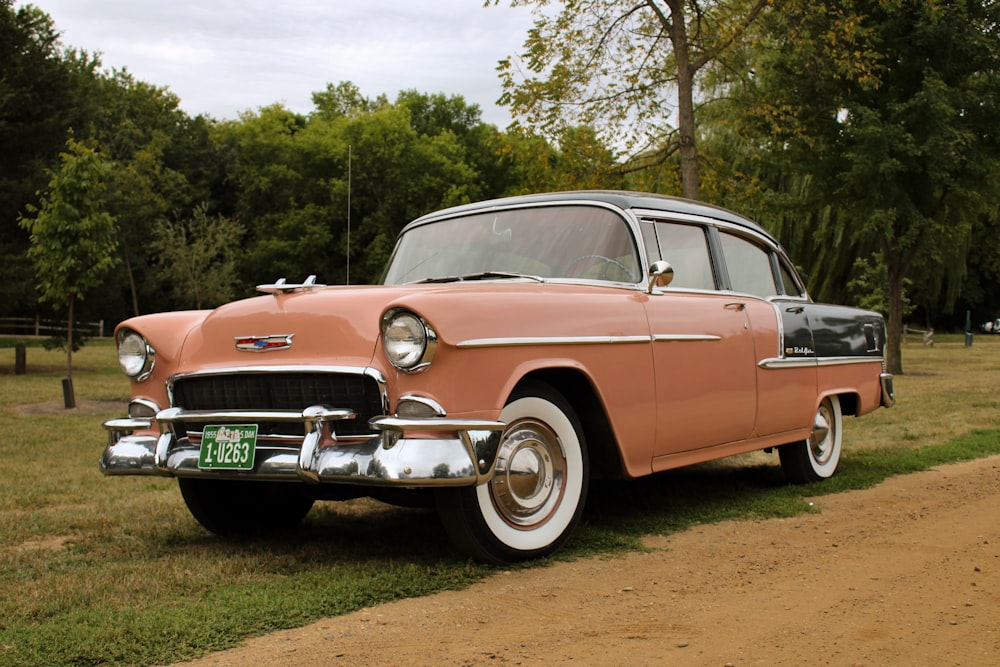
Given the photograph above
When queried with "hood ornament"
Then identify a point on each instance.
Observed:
(264, 343)
(282, 287)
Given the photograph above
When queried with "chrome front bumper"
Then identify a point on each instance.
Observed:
(447, 452)
(888, 395)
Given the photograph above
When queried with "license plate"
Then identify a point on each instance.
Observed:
(228, 447)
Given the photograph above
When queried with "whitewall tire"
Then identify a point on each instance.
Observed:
(535, 498)
(817, 457)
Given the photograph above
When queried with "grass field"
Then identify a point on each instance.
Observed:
(97, 570)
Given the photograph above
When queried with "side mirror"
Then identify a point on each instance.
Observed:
(661, 274)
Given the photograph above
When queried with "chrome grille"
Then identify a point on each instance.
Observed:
(282, 391)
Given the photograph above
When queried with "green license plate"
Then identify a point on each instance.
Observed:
(228, 447)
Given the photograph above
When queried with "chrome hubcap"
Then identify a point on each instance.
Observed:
(528, 482)
(821, 440)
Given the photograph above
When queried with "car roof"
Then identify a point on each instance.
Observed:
(619, 198)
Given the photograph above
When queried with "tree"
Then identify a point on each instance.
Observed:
(291, 173)
(886, 110)
(628, 67)
(163, 164)
(579, 161)
(342, 100)
(72, 238)
(197, 258)
(39, 91)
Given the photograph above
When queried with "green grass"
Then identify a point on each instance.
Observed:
(97, 570)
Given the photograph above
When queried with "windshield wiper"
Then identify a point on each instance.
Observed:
(482, 275)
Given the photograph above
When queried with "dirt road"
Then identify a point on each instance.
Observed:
(907, 573)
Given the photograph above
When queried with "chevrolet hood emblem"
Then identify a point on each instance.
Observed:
(264, 343)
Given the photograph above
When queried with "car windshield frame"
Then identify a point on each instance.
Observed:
(569, 241)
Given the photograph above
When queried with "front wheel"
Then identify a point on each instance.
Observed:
(534, 500)
(234, 508)
(817, 457)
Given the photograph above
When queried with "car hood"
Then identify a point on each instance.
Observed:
(337, 325)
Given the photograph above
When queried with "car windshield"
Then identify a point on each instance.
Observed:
(575, 242)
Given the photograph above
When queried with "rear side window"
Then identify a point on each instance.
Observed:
(749, 266)
(686, 248)
(788, 281)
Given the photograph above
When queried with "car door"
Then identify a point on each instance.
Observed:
(785, 357)
(703, 349)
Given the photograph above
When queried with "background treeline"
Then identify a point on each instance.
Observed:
(807, 122)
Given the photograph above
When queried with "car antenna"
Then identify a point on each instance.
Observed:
(348, 282)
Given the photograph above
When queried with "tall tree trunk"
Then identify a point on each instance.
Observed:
(894, 325)
(690, 177)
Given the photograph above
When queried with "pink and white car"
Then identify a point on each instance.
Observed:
(515, 349)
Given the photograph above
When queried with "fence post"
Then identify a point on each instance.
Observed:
(20, 359)
(69, 398)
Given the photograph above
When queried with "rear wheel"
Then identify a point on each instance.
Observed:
(238, 507)
(817, 457)
(535, 498)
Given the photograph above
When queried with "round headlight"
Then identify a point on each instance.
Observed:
(407, 340)
(135, 356)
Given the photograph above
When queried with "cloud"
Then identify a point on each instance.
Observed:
(222, 57)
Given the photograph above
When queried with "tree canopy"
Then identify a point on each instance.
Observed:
(884, 112)
(629, 67)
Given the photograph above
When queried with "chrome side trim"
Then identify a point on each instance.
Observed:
(804, 362)
(842, 361)
(680, 338)
(552, 340)
(779, 362)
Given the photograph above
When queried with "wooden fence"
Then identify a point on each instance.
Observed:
(37, 326)
(926, 337)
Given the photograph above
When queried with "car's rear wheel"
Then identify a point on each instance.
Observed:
(535, 498)
(817, 457)
(238, 507)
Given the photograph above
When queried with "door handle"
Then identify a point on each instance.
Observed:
(735, 306)
(795, 309)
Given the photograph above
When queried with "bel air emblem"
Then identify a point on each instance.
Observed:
(264, 343)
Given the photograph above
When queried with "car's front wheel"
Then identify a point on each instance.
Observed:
(238, 507)
(817, 457)
(534, 500)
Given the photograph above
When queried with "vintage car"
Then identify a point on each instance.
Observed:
(514, 350)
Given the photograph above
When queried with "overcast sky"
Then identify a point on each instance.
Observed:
(222, 57)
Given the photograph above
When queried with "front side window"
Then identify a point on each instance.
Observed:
(749, 266)
(576, 242)
(686, 248)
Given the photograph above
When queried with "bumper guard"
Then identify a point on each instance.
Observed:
(448, 452)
